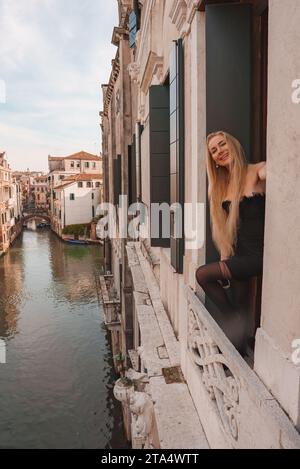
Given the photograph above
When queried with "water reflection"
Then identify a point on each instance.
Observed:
(56, 388)
(11, 292)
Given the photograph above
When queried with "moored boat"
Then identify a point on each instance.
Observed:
(76, 241)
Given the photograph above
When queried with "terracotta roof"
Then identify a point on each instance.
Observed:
(82, 155)
(68, 181)
(83, 177)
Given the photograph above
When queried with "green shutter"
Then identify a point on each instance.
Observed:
(117, 178)
(132, 172)
(159, 125)
(177, 149)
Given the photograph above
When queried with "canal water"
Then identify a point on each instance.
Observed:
(56, 385)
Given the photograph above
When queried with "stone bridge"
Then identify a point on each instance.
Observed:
(35, 214)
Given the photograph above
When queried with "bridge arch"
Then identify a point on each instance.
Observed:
(36, 217)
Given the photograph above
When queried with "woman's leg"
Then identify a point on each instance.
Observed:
(211, 277)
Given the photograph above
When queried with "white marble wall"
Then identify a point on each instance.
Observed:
(280, 323)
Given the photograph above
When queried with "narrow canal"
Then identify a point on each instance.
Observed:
(56, 385)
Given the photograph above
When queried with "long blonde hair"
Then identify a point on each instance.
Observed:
(224, 226)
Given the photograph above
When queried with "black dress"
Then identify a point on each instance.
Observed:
(247, 260)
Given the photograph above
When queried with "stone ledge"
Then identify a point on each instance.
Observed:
(176, 418)
(177, 421)
(151, 340)
(172, 344)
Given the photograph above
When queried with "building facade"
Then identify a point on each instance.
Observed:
(26, 180)
(185, 68)
(76, 201)
(10, 205)
(75, 188)
(40, 192)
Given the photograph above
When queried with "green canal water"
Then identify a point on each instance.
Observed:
(56, 385)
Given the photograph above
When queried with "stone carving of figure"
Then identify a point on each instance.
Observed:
(141, 407)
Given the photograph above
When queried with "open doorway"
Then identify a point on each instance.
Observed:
(236, 96)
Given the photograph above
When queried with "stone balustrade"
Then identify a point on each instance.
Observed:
(222, 383)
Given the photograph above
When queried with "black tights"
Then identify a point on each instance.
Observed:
(213, 278)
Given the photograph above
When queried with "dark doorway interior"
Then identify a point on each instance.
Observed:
(237, 66)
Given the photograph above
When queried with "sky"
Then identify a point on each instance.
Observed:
(54, 56)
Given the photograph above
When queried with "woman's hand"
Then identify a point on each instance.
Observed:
(223, 257)
(262, 171)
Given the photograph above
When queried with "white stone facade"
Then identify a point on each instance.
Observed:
(75, 187)
(76, 201)
(231, 404)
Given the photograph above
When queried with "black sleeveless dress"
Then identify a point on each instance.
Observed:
(247, 260)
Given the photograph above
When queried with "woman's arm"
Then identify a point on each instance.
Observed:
(262, 171)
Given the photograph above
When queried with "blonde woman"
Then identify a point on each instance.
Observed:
(236, 193)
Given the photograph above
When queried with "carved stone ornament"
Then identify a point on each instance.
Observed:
(182, 13)
(134, 71)
(142, 111)
(222, 386)
(123, 390)
(178, 13)
(142, 413)
(118, 99)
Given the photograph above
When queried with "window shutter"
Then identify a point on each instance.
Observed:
(132, 173)
(228, 80)
(138, 159)
(177, 151)
(159, 124)
(132, 28)
(117, 179)
(137, 10)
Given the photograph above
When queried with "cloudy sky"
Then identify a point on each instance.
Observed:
(54, 56)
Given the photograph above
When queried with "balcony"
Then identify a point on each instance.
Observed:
(229, 391)
(111, 303)
(230, 404)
